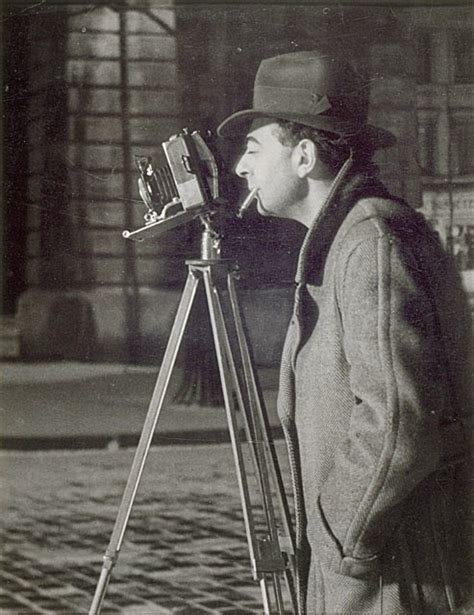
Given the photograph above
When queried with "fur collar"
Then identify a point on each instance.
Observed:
(351, 184)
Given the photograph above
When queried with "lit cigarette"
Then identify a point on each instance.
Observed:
(248, 201)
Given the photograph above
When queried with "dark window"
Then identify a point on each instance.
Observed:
(461, 154)
(423, 57)
(427, 145)
(463, 56)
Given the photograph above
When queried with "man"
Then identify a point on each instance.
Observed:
(374, 383)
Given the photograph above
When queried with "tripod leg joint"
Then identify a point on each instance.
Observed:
(269, 559)
(109, 561)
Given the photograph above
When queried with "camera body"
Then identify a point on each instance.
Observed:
(194, 169)
(184, 189)
(190, 179)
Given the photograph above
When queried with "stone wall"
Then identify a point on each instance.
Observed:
(103, 88)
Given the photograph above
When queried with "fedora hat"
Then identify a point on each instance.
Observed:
(314, 89)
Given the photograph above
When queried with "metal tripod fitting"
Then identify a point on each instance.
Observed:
(210, 241)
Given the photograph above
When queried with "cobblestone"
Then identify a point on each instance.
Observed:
(184, 552)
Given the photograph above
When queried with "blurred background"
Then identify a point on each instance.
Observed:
(89, 86)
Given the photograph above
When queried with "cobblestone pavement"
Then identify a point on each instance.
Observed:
(184, 552)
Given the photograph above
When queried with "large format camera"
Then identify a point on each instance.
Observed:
(185, 189)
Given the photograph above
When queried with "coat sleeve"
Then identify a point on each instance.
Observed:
(393, 441)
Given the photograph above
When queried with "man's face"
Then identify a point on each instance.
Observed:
(268, 166)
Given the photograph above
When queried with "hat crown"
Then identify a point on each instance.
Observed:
(320, 75)
(303, 67)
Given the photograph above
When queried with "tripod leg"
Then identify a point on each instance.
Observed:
(258, 413)
(146, 437)
(265, 555)
(220, 341)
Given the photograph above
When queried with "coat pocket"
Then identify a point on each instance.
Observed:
(328, 550)
(339, 593)
(384, 592)
(321, 539)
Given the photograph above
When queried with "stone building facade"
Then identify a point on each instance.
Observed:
(445, 101)
(108, 82)
(103, 88)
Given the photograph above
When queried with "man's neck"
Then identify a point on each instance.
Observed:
(308, 209)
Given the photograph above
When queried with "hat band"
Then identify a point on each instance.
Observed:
(270, 99)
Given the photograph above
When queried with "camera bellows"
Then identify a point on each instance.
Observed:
(157, 187)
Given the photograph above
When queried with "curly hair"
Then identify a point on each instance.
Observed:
(333, 149)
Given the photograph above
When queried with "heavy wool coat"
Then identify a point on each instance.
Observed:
(374, 403)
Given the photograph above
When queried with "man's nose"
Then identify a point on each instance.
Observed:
(241, 169)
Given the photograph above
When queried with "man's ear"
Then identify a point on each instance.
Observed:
(305, 157)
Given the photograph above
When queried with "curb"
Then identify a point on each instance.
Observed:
(84, 442)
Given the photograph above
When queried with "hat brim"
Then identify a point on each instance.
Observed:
(236, 124)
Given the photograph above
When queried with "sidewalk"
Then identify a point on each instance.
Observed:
(86, 405)
(184, 553)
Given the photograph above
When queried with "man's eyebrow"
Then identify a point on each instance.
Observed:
(253, 140)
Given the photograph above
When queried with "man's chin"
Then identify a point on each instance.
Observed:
(262, 211)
